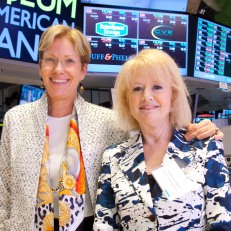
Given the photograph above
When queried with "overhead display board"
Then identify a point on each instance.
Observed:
(23, 21)
(116, 35)
(213, 51)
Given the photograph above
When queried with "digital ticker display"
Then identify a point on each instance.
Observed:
(116, 35)
(213, 51)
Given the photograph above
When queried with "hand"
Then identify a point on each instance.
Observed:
(203, 130)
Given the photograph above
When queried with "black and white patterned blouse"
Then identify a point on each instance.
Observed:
(125, 200)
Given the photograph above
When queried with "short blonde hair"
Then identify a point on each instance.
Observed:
(76, 37)
(161, 67)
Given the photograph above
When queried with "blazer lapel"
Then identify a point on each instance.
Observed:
(39, 130)
(186, 152)
(181, 150)
(134, 168)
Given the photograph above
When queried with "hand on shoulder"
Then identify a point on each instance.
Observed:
(203, 130)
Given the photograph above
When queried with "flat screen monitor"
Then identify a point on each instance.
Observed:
(116, 35)
(225, 114)
(213, 51)
(169, 5)
(207, 115)
(30, 94)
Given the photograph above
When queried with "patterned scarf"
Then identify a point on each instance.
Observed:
(71, 188)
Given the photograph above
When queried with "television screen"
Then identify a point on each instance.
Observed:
(207, 115)
(225, 114)
(213, 51)
(30, 94)
(169, 5)
(116, 35)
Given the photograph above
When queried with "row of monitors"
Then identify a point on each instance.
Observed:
(201, 48)
(116, 35)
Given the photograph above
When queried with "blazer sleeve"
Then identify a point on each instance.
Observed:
(5, 175)
(217, 188)
(106, 216)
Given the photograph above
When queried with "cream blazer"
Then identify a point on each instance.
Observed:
(21, 151)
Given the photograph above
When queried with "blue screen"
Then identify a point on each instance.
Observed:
(30, 94)
(213, 52)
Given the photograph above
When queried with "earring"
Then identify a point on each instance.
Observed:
(81, 88)
(42, 84)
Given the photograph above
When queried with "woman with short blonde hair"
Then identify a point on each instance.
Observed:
(161, 67)
(157, 180)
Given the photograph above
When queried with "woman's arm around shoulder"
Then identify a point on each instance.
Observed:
(217, 188)
(203, 130)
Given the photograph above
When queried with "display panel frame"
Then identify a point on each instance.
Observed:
(169, 5)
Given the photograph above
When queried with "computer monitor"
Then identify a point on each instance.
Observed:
(205, 115)
(212, 51)
(30, 94)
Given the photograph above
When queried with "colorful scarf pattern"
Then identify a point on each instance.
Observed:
(71, 188)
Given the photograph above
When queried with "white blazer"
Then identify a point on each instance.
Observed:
(21, 151)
